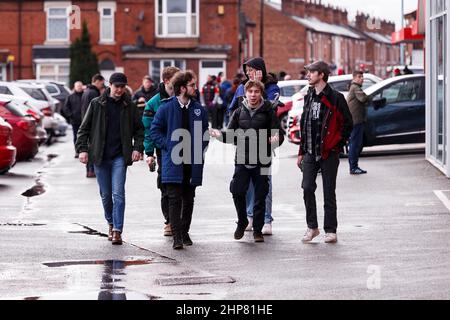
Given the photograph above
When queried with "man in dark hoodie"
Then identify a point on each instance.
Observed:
(151, 107)
(255, 69)
(72, 109)
(255, 129)
(92, 91)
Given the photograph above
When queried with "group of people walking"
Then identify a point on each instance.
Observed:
(172, 129)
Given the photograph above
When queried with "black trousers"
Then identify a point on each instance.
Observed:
(75, 127)
(329, 168)
(181, 205)
(163, 188)
(239, 186)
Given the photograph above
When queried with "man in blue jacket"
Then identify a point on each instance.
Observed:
(180, 130)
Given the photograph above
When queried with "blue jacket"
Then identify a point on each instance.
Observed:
(167, 120)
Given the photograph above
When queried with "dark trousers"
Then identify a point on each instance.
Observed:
(329, 168)
(163, 188)
(181, 205)
(239, 186)
(75, 128)
(355, 144)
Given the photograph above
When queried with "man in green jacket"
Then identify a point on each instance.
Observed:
(111, 137)
(357, 101)
(151, 107)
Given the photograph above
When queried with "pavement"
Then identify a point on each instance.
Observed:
(393, 233)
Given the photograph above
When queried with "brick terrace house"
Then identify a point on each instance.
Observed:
(137, 37)
(298, 32)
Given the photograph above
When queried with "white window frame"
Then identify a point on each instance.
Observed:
(57, 5)
(164, 32)
(161, 65)
(3, 68)
(56, 63)
(107, 5)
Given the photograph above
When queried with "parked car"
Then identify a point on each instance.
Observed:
(287, 90)
(56, 89)
(35, 98)
(395, 115)
(7, 150)
(339, 83)
(24, 136)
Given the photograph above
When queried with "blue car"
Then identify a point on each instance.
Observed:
(396, 113)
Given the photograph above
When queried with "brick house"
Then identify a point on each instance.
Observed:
(298, 32)
(137, 37)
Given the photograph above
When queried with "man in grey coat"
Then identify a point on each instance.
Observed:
(357, 101)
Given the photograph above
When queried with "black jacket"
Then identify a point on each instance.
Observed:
(92, 133)
(72, 108)
(142, 93)
(265, 124)
(90, 93)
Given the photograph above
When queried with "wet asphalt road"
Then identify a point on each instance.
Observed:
(394, 236)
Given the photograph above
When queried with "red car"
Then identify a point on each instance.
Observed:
(7, 150)
(24, 136)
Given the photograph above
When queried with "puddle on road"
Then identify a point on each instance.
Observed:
(112, 285)
(182, 281)
(36, 190)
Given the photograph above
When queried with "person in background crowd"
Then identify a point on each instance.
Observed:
(357, 101)
(92, 91)
(151, 108)
(72, 109)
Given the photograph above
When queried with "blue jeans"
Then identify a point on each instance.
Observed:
(251, 200)
(355, 144)
(111, 176)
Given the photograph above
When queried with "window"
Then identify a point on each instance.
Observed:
(35, 93)
(52, 89)
(106, 11)
(402, 92)
(2, 72)
(5, 90)
(53, 71)
(57, 20)
(177, 18)
(341, 86)
(157, 66)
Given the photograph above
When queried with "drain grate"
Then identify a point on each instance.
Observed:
(180, 281)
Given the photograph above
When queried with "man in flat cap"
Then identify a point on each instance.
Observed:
(326, 124)
(111, 136)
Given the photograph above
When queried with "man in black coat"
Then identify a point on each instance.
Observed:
(72, 109)
(92, 91)
(255, 129)
(147, 91)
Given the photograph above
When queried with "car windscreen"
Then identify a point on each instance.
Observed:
(35, 93)
(52, 89)
(289, 91)
(341, 86)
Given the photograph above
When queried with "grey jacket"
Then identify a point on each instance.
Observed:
(357, 101)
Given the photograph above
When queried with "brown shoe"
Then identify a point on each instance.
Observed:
(110, 232)
(116, 238)
(90, 174)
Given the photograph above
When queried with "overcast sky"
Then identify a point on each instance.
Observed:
(386, 9)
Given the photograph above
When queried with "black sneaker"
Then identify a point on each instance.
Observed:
(258, 237)
(358, 171)
(240, 230)
(187, 240)
(177, 242)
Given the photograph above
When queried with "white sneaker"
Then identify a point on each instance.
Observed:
(250, 224)
(267, 229)
(310, 235)
(331, 238)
